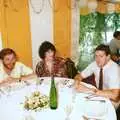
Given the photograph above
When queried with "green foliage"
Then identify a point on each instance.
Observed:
(112, 21)
(100, 22)
(93, 28)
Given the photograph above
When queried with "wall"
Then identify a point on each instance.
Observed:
(15, 29)
(0, 42)
(62, 27)
(24, 28)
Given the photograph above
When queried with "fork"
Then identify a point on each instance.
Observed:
(41, 81)
(103, 101)
(27, 83)
(91, 96)
(89, 118)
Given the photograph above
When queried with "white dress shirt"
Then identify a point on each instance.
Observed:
(111, 74)
(19, 70)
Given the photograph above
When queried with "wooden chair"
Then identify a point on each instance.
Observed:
(90, 80)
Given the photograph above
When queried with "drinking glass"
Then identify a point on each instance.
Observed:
(7, 90)
(28, 116)
(68, 111)
(73, 95)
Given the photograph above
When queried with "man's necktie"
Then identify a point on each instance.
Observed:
(101, 79)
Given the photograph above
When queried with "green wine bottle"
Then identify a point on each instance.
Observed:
(53, 95)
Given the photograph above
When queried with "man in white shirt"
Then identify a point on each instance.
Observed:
(111, 75)
(11, 70)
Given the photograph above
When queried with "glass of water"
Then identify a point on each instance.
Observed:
(68, 111)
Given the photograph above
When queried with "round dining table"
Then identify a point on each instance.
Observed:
(72, 105)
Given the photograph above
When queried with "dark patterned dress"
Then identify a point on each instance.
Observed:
(59, 68)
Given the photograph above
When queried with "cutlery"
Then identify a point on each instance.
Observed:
(90, 118)
(66, 82)
(41, 81)
(70, 86)
(27, 83)
(87, 92)
(91, 96)
(99, 100)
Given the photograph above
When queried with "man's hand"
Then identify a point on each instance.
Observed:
(9, 80)
(82, 88)
(78, 77)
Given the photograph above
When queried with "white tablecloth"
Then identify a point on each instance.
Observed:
(11, 103)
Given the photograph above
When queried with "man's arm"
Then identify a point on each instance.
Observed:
(10, 80)
(78, 78)
(80, 87)
(27, 77)
(112, 94)
(26, 72)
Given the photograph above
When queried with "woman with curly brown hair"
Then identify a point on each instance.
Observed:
(50, 64)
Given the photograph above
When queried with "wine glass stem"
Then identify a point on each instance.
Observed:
(67, 118)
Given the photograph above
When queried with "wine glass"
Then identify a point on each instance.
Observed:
(73, 95)
(28, 116)
(39, 81)
(7, 90)
(68, 111)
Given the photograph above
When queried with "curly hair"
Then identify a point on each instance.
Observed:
(6, 51)
(44, 47)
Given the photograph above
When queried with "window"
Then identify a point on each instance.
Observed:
(95, 28)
